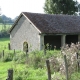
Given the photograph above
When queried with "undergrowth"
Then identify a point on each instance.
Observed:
(32, 66)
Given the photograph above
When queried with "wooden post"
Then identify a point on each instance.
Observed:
(77, 62)
(10, 74)
(3, 54)
(48, 68)
(66, 67)
(44, 51)
(14, 52)
(9, 46)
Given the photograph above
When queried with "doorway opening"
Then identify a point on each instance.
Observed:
(25, 46)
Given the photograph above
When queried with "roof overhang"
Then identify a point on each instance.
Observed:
(59, 34)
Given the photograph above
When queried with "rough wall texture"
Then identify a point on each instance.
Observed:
(24, 31)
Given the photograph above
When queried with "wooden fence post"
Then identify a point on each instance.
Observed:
(3, 54)
(44, 51)
(14, 52)
(10, 74)
(9, 46)
(66, 67)
(48, 68)
(77, 62)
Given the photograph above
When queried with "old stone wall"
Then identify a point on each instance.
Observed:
(24, 31)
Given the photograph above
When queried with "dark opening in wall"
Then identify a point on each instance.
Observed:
(71, 39)
(52, 41)
(25, 46)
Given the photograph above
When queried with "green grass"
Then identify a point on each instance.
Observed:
(4, 69)
(4, 66)
(4, 43)
(24, 71)
(21, 71)
(4, 27)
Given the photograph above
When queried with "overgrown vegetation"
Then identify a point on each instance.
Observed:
(32, 66)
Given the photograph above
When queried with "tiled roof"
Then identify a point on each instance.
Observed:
(48, 23)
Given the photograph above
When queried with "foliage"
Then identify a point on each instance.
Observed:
(4, 20)
(58, 76)
(30, 74)
(7, 57)
(70, 52)
(61, 6)
(31, 66)
(1, 20)
(4, 33)
(4, 30)
(20, 57)
(75, 76)
(36, 59)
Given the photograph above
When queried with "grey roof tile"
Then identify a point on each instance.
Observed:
(49, 23)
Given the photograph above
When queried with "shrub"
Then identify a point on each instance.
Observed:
(70, 52)
(54, 64)
(20, 57)
(4, 33)
(36, 59)
(75, 76)
(7, 57)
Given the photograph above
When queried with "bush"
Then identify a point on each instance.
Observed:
(4, 33)
(70, 52)
(75, 76)
(7, 57)
(20, 57)
(36, 59)
(30, 74)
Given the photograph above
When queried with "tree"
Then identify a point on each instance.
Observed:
(61, 6)
(1, 20)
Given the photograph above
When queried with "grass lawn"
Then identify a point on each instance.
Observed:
(25, 71)
(4, 43)
(5, 27)
(3, 69)
(21, 71)
(4, 66)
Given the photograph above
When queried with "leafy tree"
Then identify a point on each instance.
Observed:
(61, 6)
(1, 20)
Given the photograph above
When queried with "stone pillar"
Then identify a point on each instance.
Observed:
(63, 40)
(78, 38)
(41, 42)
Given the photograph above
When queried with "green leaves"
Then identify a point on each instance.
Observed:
(60, 6)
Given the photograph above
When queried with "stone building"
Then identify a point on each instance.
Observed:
(32, 31)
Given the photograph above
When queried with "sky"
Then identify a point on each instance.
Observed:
(13, 8)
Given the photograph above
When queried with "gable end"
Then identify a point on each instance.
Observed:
(31, 22)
